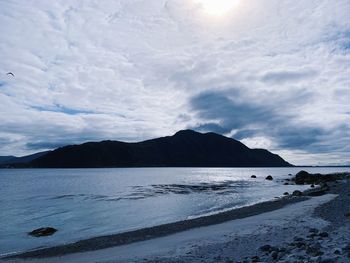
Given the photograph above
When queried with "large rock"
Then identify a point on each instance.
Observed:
(43, 231)
(266, 248)
(297, 193)
(269, 177)
(302, 177)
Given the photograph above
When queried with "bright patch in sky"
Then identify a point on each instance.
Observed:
(217, 7)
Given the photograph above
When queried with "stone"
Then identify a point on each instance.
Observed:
(255, 259)
(274, 255)
(269, 177)
(314, 251)
(253, 176)
(300, 244)
(43, 231)
(298, 239)
(297, 193)
(323, 234)
(265, 248)
(285, 193)
(301, 177)
(347, 248)
(328, 260)
(324, 185)
(313, 230)
(337, 252)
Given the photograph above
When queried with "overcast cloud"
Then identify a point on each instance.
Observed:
(271, 73)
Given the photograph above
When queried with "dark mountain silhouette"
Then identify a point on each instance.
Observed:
(9, 160)
(184, 149)
(4, 159)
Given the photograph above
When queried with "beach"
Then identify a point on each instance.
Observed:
(290, 229)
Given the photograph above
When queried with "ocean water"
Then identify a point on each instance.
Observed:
(83, 203)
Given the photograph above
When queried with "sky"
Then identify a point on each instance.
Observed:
(273, 74)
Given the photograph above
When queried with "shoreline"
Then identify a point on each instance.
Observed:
(166, 231)
(125, 238)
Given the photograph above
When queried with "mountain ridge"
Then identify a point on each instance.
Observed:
(186, 148)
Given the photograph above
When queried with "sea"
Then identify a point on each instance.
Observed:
(85, 203)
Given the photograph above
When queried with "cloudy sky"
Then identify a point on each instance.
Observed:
(271, 73)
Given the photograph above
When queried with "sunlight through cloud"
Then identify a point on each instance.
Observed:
(217, 7)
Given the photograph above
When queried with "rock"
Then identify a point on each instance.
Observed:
(286, 183)
(297, 193)
(269, 177)
(312, 236)
(317, 192)
(43, 231)
(255, 259)
(274, 255)
(253, 176)
(328, 260)
(282, 249)
(313, 230)
(347, 248)
(285, 193)
(265, 248)
(300, 244)
(304, 177)
(324, 185)
(312, 186)
(301, 177)
(314, 251)
(323, 234)
(337, 252)
(298, 239)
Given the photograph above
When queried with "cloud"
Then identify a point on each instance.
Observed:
(45, 145)
(60, 108)
(270, 71)
(232, 112)
(211, 127)
(279, 77)
(226, 112)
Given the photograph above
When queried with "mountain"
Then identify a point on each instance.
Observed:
(4, 159)
(7, 160)
(184, 149)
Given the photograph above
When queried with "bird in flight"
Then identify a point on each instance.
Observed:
(10, 74)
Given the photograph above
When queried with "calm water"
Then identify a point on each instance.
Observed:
(83, 203)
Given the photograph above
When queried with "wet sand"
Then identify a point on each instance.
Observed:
(103, 242)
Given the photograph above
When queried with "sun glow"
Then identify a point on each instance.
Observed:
(217, 7)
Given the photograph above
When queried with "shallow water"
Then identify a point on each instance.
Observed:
(83, 203)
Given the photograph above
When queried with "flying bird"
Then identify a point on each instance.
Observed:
(10, 73)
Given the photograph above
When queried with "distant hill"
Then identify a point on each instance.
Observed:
(9, 160)
(4, 159)
(184, 149)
